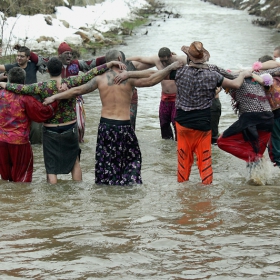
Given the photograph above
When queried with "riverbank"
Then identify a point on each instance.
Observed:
(267, 11)
(87, 28)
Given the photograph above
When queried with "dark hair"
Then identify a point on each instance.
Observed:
(265, 58)
(54, 66)
(16, 75)
(123, 56)
(25, 50)
(163, 52)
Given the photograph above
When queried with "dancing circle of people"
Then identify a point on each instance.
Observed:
(52, 113)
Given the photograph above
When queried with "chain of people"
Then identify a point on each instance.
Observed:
(52, 112)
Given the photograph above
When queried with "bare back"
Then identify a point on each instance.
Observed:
(115, 98)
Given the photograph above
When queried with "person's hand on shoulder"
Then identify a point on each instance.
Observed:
(63, 87)
(118, 64)
(49, 100)
(247, 73)
(177, 64)
(121, 77)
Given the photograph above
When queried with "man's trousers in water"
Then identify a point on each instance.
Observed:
(190, 142)
(167, 113)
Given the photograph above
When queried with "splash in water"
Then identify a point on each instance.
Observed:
(259, 172)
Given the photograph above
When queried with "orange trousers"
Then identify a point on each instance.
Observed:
(190, 141)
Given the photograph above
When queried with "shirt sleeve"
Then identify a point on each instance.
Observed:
(8, 67)
(38, 112)
(273, 71)
(85, 65)
(34, 57)
(220, 80)
(40, 61)
(30, 89)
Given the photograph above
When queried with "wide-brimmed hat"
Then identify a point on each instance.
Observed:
(196, 52)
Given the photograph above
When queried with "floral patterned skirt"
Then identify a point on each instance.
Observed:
(118, 155)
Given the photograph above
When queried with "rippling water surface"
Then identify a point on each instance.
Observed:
(162, 229)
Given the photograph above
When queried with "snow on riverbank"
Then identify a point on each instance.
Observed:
(26, 30)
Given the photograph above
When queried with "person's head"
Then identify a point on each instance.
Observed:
(113, 55)
(196, 52)
(276, 53)
(265, 58)
(54, 66)
(64, 53)
(23, 56)
(165, 56)
(17, 75)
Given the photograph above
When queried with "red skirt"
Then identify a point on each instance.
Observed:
(237, 146)
(16, 162)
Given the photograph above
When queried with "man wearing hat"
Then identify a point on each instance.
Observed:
(196, 85)
(118, 156)
(71, 67)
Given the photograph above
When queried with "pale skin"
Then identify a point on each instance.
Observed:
(141, 66)
(22, 60)
(115, 98)
(159, 63)
(237, 82)
(270, 64)
(167, 86)
(76, 171)
(257, 78)
(227, 83)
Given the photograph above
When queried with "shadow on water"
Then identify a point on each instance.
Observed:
(162, 229)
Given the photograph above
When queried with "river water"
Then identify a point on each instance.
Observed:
(161, 229)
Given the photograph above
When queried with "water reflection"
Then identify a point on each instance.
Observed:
(162, 229)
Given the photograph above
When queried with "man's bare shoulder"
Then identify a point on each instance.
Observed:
(182, 58)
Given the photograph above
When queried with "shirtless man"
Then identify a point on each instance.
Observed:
(167, 109)
(60, 135)
(118, 156)
(132, 66)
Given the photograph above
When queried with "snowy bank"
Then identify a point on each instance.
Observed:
(75, 25)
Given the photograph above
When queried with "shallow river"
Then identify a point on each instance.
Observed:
(161, 229)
